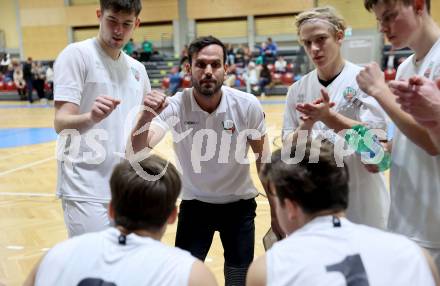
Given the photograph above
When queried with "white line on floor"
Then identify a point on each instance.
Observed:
(26, 166)
(26, 152)
(12, 194)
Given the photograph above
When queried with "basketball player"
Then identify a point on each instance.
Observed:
(96, 85)
(211, 131)
(415, 163)
(328, 100)
(131, 252)
(323, 247)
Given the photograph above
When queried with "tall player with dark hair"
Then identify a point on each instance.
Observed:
(415, 159)
(96, 86)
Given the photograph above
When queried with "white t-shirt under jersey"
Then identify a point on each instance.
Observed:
(82, 72)
(321, 254)
(415, 175)
(368, 197)
(211, 147)
(99, 256)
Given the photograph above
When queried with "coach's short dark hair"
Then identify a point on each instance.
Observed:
(126, 6)
(144, 204)
(198, 44)
(313, 186)
(369, 4)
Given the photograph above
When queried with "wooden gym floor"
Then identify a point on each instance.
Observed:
(31, 218)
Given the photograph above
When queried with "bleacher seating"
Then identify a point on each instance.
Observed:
(159, 66)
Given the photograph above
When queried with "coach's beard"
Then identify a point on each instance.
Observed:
(207, 87)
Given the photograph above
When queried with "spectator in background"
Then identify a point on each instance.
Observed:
(264, 80)
(5, 62)
(39, 79)
(247, 55)
(184, 52)
(135, 55)
(175, 81)
(49, 80)
(239, 56)
(182, 68)
(231, 76)
(129, 47)
(280, 65)
(262, 49)
(147, 50)
(9, 74)
(272, 48)
(231, 54)
(251, 77)
(19, 82)
(28, 78)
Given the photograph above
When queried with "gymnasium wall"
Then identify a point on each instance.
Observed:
(232, 8)
(223, 28)
(353, 12)
(275, 25)
(46, 24)
(8, 24)
(43, 28)
(154, 32)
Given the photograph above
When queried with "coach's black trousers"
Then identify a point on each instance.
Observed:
(234, 221)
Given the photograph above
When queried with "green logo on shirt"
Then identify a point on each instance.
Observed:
(349, 93)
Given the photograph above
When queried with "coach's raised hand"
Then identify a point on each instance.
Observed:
(144, 134)
(154, 102)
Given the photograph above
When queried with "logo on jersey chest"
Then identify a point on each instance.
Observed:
(229, 126)
(189, 122)
(349, 93)
(428, 71)
(135, 73)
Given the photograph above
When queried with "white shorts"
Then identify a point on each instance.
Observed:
(81, 217)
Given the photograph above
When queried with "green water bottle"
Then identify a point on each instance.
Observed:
(359, 143)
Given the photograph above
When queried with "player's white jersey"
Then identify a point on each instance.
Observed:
(321, 253)
(415, 175)
(82, 72)
(368, 196)
(99, 256)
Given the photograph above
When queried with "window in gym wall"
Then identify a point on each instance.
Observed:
(159, 33)
(222, 28)
(84, 2)
(81, 34)
(275, 25)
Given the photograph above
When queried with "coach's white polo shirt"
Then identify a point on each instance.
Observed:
(211, 148)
